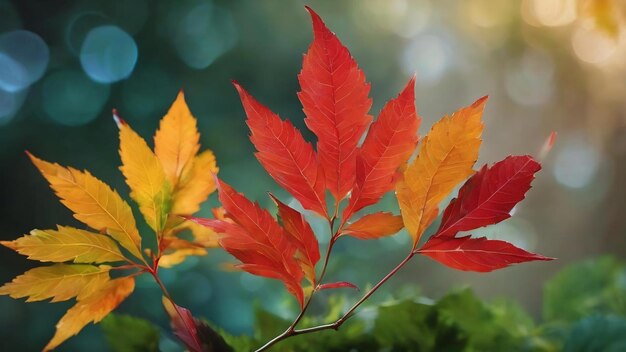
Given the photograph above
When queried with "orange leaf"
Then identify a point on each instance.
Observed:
(335, 99)
(92, 308)
(195, 184)
(374, 226)
(446, 157)
(303, 236)
(286, 156)
(389, 143)
(176, 141)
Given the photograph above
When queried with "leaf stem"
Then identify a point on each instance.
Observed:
(189, 329)
(291, 331)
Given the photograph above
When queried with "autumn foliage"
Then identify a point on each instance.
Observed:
(173, 180)
(337, 180)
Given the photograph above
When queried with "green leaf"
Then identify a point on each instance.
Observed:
(593, 286)
(412, 326)
(598, 333)
(129, 334)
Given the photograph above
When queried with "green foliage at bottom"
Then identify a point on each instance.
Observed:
(584, 311)
(128, 334)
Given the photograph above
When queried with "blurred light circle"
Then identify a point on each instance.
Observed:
(79, 25)
(204, 33)
(10, 104)
(549, 12)
(487, 13)
(593, 46)
(13, 76)
(108, 54)
(428, 56)
(402, 17)
(71, 98)
(26, 55)
(529, 81)
(576, 163)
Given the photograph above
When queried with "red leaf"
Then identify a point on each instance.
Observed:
(335, 100)
(184, 325)
(476, 254)
(374, 226)
(286, 156)
(489, 195)
(339, 284)
(303, 236)
(390, 141)
(256, 239)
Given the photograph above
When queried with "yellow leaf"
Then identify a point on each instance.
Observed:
(59, 282)
(176, 141)
(93, 202)
(196, 183)
(446, 157)
(202, 235)
(374, 226)
(92, 308)
(65, 244)
(145, 176)
(179, 250)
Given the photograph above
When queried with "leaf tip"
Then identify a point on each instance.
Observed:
(318, 23)
(9, 244)
(118, 120)
(480, 101)
(242, 92)
(547, 145)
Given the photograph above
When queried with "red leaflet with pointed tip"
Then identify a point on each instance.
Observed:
(184, 325)
(374, 226)
(335, 100)
(303, 236)
(286, 156)
(389, 143)
(489, 195)
(339, 284)
(256, 239)
(476, 254)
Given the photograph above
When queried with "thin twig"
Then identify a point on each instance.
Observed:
(337, 324)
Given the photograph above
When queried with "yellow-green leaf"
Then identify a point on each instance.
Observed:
(92, 308)
(59, 282)
(93, 202)
(67, 244)
(446, 157)
(176, 141)
(196, 183)
(145, 176)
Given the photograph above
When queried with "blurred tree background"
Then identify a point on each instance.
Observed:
(548, 65)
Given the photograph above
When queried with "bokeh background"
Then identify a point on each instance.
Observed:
(547, 65)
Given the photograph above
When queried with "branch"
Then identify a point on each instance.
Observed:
(291, 331)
